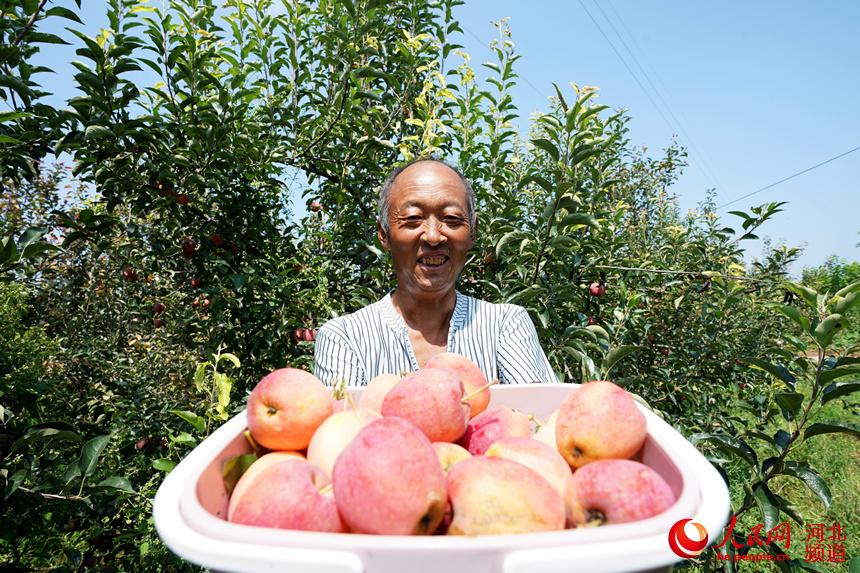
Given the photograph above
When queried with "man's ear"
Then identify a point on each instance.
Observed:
(382, 236)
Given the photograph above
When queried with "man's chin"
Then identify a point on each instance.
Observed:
(420, 287)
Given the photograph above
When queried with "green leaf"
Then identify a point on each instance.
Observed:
(14, 481)
(845, 360)
(45, 38)
(163, 465)
(72, 472)
(847, 302)
(13, 115)
(185, 439)
(116, 482)
(30, 237)
(197, 422)
(233, 469)
(729, 445)
(9, 140)
(591, 111)
(828, 328)
(547, 146)
(505, 240)
(807, 294)
(560, 97)
(810, 477)
(599, 331)
(792, 313)
(525, 294)
(776, 370)
(839, 389)
(789, 509)
(232, 358)
(789, 404)
(97, 132)
(584, 153)
(238, 281)
(768, 504)
(616, 354)
(544, 183)
(90, 453)
(39, 434)
(63, 13)
(200, 375)
(781, 437)
(579, 219)
(830, 428)
(224, 384)
(834, 373)
(853, 287)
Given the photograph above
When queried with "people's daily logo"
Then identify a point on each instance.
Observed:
(688, 541)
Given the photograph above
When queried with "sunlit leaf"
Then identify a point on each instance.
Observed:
(90, 453)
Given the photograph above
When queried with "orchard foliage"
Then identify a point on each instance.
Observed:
(133, 283)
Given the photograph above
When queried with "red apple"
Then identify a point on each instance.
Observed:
(618, 491)
(389, 481)
(487, 427)
(471, 377)
(375, 391)
(596, 289)
(189, 248)
(600, 420)
(285, 409)
(217, 239)
(158, 308)
(287, 496)
(492, 495)
(432, 400)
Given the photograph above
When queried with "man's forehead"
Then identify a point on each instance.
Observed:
(428, 181)
(421, 202)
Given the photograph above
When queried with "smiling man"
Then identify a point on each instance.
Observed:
(427, 221)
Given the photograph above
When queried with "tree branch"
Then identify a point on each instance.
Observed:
(29, 23)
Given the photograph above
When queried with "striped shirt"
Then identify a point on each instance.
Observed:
(499, 338)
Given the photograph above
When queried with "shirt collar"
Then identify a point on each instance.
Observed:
(393, 319)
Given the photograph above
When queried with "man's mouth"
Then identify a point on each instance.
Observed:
(436, 261)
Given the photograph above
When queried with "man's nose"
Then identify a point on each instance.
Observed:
(433, 231)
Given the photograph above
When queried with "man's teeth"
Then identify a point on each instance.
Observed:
(433, 260)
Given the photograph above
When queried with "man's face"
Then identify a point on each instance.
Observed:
(430, 232)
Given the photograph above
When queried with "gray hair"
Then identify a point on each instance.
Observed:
(384, 203)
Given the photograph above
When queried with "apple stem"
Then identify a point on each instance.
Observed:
(476, 391)
(326, 489)
(349, 402)
(537, 421)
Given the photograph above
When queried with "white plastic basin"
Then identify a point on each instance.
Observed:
(190, 506)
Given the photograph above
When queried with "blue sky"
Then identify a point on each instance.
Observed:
(756, 91)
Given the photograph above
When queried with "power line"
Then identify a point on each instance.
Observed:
(707, 171)
(807, 170)
(623, 61)
(633, 75)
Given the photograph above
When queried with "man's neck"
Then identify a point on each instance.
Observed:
(429, 315)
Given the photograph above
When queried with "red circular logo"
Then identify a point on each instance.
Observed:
(681, 543)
